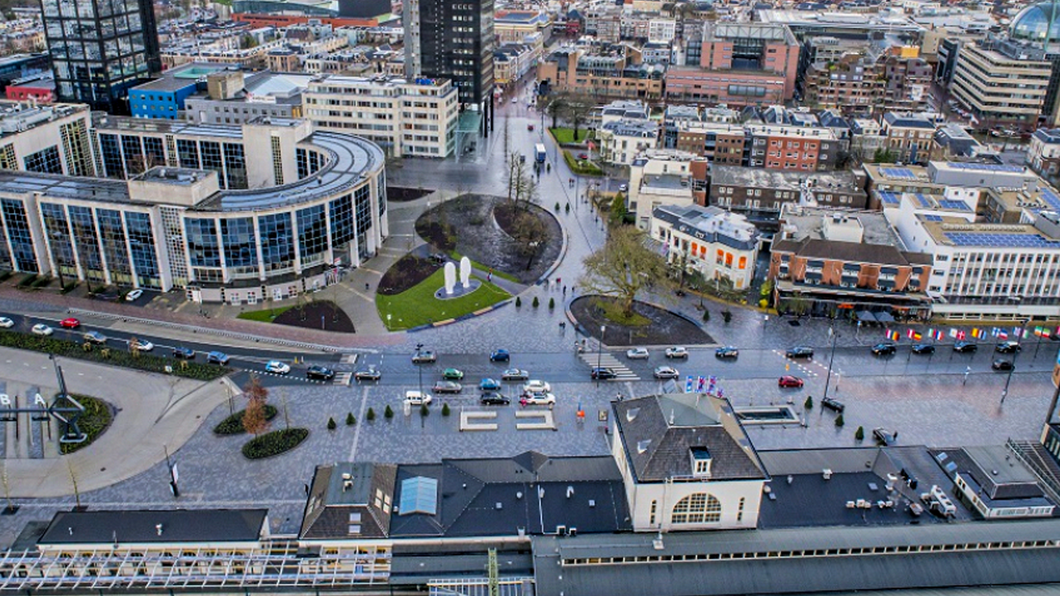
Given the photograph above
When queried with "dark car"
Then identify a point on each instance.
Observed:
(800, 352)
(602, 374)
(923, 349)
(726, 352)
(500, 356)
(789, 381)
(832, 404)
(494, 398)
(884, 437)
(369, 373)
(965, 347)
(448, 387)
(1007, 347)
(1003, 365)
(884, 349)
(183, 353)
(318, 372)
(439, 258)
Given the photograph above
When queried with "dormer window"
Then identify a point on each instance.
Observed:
(700, 462)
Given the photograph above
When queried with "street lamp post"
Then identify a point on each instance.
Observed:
(600, 353)
(419, 368)
(831, 359)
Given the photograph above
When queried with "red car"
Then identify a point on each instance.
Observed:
(70, 323)
(529, 127)
(583, 156)
(789, 381)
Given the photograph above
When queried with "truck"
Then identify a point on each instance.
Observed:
(539, 152)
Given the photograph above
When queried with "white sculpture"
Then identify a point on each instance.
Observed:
(450, 278)
(465, 273)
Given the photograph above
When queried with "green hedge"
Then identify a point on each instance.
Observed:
(274, 443)
(583, 167)
(233, 425)
(26, 280)
(117, 357)
(4, 276)
(93, 422)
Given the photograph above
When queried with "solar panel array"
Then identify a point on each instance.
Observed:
(953, 205)
(898, 173)
(889, 197)
(992, 240)
(1050, 197)
(930, 217)
(985, 167)
(924, 200)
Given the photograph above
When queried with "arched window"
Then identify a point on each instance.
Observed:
(698, 508)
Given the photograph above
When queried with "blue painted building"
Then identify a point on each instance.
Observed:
(163, 98)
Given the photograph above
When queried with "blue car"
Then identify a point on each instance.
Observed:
(500, 356)
(490, 385)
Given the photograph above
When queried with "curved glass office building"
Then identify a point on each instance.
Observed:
(270, 209)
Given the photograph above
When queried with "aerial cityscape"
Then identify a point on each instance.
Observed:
(517, 298)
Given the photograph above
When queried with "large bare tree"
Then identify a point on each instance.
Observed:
(255, 421)
(624, 267)
(530, 232)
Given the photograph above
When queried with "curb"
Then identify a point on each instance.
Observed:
(562, 252)
(579, 328)
(446, 322)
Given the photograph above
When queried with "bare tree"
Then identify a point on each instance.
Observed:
(577, 111)
(530, 232)
(254, 419)
(624, 267)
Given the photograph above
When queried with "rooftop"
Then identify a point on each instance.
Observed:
(838, 180)
(711, 224)
(181, 76)
(16, 116)
(163, 525)
(633, 128)
(801, 222)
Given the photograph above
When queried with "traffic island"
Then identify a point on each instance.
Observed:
(418, 306)
(274, 443)
(650, 326)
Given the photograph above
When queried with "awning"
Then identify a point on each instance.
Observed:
(884, 317)
(864, 315)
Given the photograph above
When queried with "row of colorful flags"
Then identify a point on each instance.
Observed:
(703, 385)
(1000, 333)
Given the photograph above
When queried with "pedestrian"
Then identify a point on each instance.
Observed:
(366, 286)
(558, 280)
(489, 277)
(564, 290)
(573, 289)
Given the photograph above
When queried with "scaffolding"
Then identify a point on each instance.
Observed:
(481, 586)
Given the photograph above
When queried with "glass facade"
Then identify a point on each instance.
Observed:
(188, 153)
(115, 253)
(55, 226)
(111, 154)
(312, 235)
(45, 161)
(86, 242)
(142, 248)
(202, 242)
(19, 234)
(341, 221)
(235, 165)
(211, 160)
(277, 241)
(363, 205)
(134, 155)
(241, 248)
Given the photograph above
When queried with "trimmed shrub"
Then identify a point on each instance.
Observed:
(859, 434)
(4, 276)
(388, 413)
(551, 303)
(726, 315)
(274, 443)
(445, 409)
(69, 287)
(41, 282)
(350, 420)
(536, 303)
(26, 280)
(839, 422)
(370, 415)
(424, 410)
(331, 424)
(706, 315)
(233, 425)
(808, 404)
(518, 301)
(568, 208)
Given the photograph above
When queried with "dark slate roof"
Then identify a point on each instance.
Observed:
(846, 251)
(414, 563)
(531, 490)
(1000, 479)
(1048, 135)
(329, 505)
(658, 449)
(908, 121)
(178, 525)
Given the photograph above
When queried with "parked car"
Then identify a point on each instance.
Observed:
(726, 352)
(538, 399)
(42, 329)
(141, 345)
(448, 387)
(277, 367)
(965, 347)
(884, 349)
(537, 386)
(923, 349)
(800, 352)
(453, 374)
(319, 372)
(488, 384)
(515, 374)
(676, 352)
(1008, 347)
(368, 373)
(217, 358)
(530, 127)
(134, 294)
(789, 381)
(665, 372)
(602, 374)
(69, 323)
(6, 323)
(623, 187)
(1003, 365)
(424, 357)
(833, 404)
(637, 354)
(500, 356)
(884, 437)
(439, 258)
(95, 337)
(583, 156)
(415, 398)
(493, 398)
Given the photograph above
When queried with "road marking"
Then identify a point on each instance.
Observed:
(607, 360)
(360, 423)
(348, 359)
(342, 378)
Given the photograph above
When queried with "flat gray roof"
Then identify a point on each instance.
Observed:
(163, 526)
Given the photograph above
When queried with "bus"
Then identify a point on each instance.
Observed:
(539, 152)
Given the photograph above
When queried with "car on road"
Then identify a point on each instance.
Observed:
(1007, 347)
(415, 398)
(453, 374)
(965, 347)
(923, 348)
(538, 399)
(530, 127)
(42, 329)
(799, 352)
(69, 323)
(676, 352)
(515, 374)
(1003, 365)
(488, 384)
(637, 354)
(448, 387)
(602, 374)
(493, 398)
(318, 372)
(217, 358)
(424, 357)
(537, 386)
(6, 323)
(134, 294)
(833, 404)
(368, 373)
(277, 367)
(141, 345)
(95, 337)
(789, 381)
(727, 352)
(884, 349)
(583, 156)
(500, 356)
(665, 372)
(184, 353)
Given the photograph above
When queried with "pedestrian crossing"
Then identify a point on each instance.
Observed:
(349, 359)
(606, 360)
(341, 378)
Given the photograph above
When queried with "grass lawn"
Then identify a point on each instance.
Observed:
(264, 316)
(566, 135)
(580, 166)
(418, 306)
(476, 265)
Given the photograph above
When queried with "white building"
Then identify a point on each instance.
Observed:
(661, 177)
(662, 30)
(686, 463)
(46, 139)
(711, 241)
(622, 140)
(407, 118)
(1043, 152)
